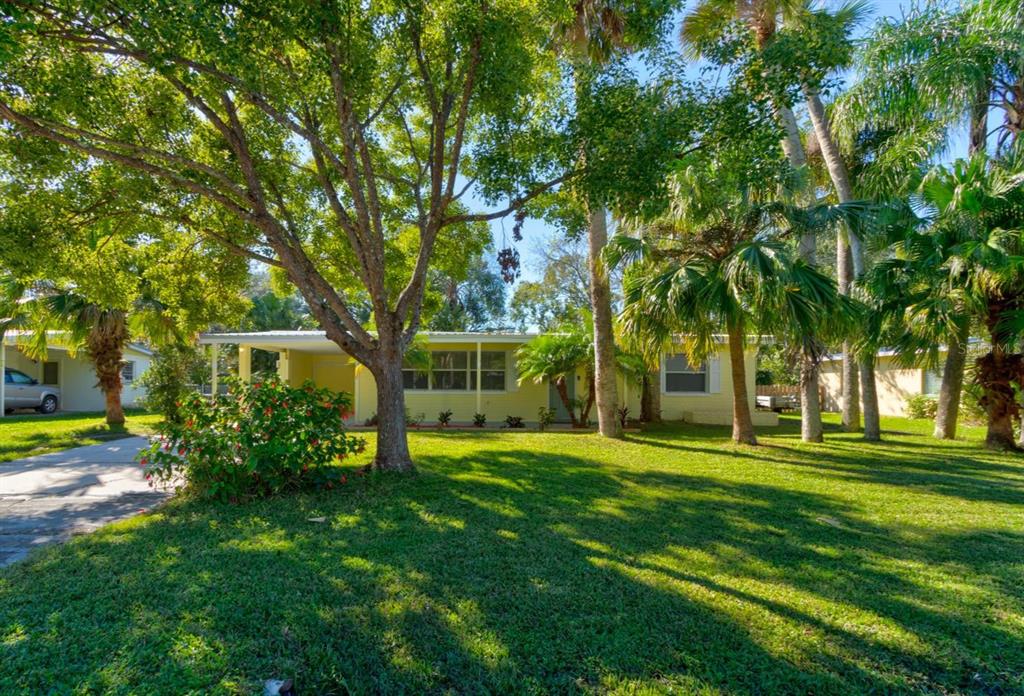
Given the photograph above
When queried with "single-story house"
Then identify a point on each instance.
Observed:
(894, 382)
(74, 375)
(476, 373)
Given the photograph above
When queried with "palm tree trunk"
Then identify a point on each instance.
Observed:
(650, 399)
(606, 393)
(742, 424)
(841, 180)
(563, 395)
(105, 346)
(810, 401)
(948, 408)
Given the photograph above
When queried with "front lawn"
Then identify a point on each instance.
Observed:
(26, 435)
(518, 562)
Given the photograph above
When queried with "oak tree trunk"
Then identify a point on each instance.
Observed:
(606, 393)
(392, 443)
(742, 424)
(948, 408)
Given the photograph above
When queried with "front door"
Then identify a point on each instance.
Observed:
(555, 401)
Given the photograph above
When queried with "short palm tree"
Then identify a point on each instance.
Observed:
(963, 264)
(556, 358)
(100, 330)
(723, 261)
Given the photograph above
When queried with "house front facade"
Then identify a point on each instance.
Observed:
(474, 373)
(895, 383)
(74, 376)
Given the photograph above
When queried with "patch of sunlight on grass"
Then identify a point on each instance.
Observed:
(436, 520)
(498, 508)
(277, 540)
(507, 534)
(14, 635)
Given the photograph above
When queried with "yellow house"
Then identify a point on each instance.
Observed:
(894, 382)
(476, 373)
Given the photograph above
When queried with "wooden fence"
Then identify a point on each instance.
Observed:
(786, 390)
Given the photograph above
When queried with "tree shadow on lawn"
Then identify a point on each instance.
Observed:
(508, 570)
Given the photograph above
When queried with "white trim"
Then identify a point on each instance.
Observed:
(480, 374)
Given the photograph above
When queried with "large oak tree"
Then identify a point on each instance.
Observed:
(334, 140)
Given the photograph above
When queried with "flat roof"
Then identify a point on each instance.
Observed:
(310, 340)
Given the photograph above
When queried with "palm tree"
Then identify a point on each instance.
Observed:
(921, 78)
(719, 261)
(702, 28)
(556, 358)
(101, 330)
(593, 34)
(961, 263)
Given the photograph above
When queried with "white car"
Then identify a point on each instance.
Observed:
(22, 391)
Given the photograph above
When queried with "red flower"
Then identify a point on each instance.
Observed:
(181, 451)
(314, 442)
(344, 479)
(143, 462)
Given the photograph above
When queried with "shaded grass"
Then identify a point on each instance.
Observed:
(671, 561)
(27, 435)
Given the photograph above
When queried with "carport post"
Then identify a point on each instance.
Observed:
(213, 370)
(478, 373)
(3, 375)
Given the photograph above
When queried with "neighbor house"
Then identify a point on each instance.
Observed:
(74, 375)
(476, 373)
(894, 382)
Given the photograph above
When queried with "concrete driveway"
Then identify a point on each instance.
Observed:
(49, 497)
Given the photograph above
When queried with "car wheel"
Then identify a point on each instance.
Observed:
(49, 404)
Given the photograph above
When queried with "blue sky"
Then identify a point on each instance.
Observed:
(536, 232)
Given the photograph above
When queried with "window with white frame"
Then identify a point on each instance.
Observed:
(128, 371)
(414, 377)
(683, 378)
(455, 370)
(932, 382)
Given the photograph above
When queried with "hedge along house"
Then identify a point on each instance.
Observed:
(476, 373)
(895, 383)
(74, 375)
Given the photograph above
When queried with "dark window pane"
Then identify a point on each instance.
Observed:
(448, 359)
(493, 380)
(492, 359)
(51, 373)
(414, 379)
(684, 382)
(679, 363)
(450, 380)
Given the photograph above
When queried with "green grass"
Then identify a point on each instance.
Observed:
(26, 435)
(519, 562)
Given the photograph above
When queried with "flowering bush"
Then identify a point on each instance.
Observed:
(256, 440)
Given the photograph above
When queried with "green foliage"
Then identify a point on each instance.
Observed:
(777, 364)
(513, 422)
(479, 420)
(258, 440)
(545, 417)
(171, 377)
(841, 567)
(467, 299)
(921, 406)
(444, 418)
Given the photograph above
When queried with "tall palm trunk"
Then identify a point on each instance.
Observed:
(105, 347)
(841, 180)
(606, 391)
(810, 403)
(947, 410)
(650, 399)
(742, 424)
(948, 407)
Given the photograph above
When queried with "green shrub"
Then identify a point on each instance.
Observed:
(921, 406)
(514, 422)
(545, 417)
(256, 440)
(170, 377)
(479, 420)
(444, 418)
